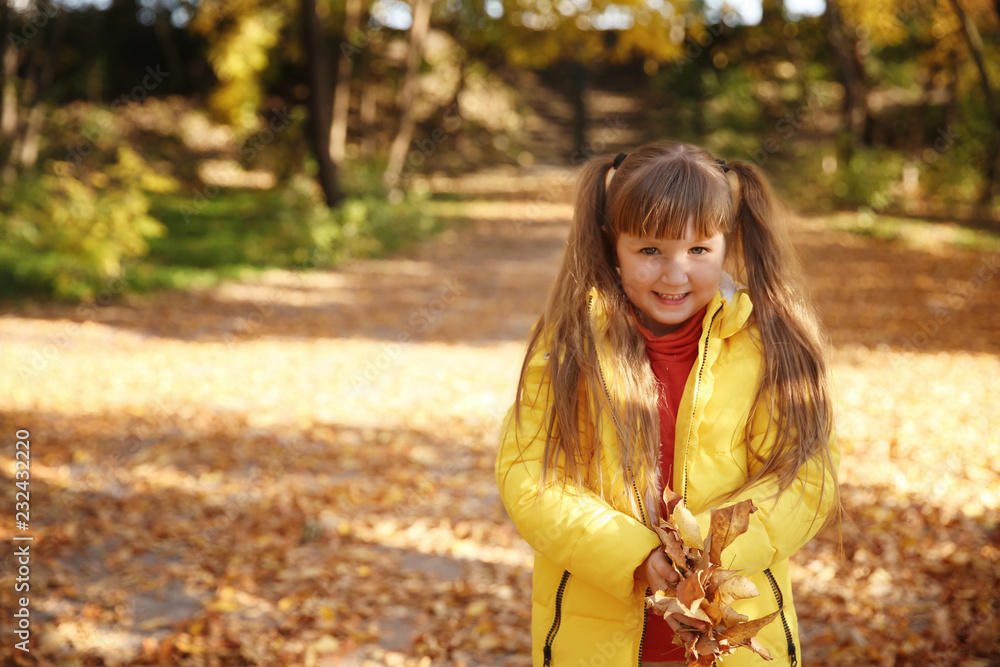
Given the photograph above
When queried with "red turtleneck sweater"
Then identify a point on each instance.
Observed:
(671, 357)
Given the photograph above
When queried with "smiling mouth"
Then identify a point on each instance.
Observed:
(671, 297)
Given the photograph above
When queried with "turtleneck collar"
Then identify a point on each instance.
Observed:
(678, 342)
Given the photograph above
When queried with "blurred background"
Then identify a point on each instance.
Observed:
(185, 113)
(267, 269)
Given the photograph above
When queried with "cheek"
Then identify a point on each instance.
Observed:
(711, 276)
(640, 272)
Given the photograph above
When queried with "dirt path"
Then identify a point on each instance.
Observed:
(298, 470)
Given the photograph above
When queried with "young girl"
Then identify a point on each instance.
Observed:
(652, 367)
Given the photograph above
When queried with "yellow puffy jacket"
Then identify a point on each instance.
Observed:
(587, 610)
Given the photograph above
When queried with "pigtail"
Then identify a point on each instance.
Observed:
(794, 384)
(564, 326)
(572, 367)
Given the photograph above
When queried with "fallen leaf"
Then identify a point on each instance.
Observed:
(727, 524)
(688, 526)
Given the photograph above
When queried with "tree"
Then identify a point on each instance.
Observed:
(934, 38)
(319, 102)
(975, 42)
(576, 36)
(852, 75)
(31, 39)
(342, 93)
(414, 56)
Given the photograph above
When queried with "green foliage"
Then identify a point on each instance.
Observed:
(869, 176)
(242, 34)
(370, 222)
(927, 235)
(69, 232)
(234, 232)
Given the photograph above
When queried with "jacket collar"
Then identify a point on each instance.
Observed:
(736, 306)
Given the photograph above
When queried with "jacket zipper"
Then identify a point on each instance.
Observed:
(784, 621)
(607, 396)
(547, 650)
(645, 619)
(694, 402)
(694, 407)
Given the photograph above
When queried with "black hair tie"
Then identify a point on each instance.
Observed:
(619, 159)
(725, 169)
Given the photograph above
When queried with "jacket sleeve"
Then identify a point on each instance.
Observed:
(573, 528)
(782, 525)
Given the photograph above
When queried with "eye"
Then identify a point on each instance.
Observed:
(650, 251)
(699, 250)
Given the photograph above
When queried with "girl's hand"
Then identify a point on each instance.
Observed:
(656, 572)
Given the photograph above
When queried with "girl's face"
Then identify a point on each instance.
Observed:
(669, 281)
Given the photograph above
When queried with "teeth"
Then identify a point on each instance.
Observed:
(671, 297)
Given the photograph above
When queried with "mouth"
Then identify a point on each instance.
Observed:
(672, 298)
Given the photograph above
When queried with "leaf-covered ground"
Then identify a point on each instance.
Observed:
(299, 470)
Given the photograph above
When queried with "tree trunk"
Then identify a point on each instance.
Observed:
(342, 94)
(772, 8)
(855, 100)
(33, 131)
(165, 36)
(319, 102)
(368, 112)
(579, 77)
(407, 123)
(992, 104)
(8, 104)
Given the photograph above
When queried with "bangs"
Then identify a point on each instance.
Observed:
(658, 199)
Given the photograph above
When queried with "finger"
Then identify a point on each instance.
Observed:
(662, 567)
(664, 570)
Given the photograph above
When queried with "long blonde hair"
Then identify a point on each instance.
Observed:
(655, 192)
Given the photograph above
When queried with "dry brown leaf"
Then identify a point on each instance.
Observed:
(673, 547)
(738, 587)
(691, 591)
(748, 629)
(690, 533)
(728, 523)
(698, 609)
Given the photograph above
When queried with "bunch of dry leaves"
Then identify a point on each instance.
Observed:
(698, 607)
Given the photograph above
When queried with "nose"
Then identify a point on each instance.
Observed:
(673, 273)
